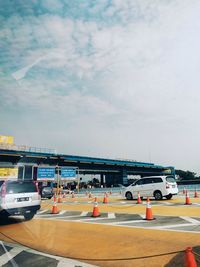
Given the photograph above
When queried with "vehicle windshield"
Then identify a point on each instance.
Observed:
(170, 179)
(16, 188)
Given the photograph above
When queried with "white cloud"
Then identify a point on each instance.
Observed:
(133, 75)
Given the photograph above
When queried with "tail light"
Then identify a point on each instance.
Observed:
(3, 192)
(167, 186)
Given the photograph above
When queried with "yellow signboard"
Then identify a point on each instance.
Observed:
(8, 173)
(4, 139)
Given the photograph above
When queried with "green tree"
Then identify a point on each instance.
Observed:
(186, 175)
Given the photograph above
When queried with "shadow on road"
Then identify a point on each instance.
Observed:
(11, 220)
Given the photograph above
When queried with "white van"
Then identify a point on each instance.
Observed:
(153, 186)
(19, 198)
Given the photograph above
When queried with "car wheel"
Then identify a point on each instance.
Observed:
(169, 196)
(129, 196)
(29, 216)
(158, 195)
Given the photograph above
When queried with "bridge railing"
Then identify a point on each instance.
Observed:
(27, 148)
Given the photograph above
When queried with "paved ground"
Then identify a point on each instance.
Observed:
(173, 223)
(119, 237)
(14, 255)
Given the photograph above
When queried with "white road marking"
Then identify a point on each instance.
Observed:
(189, 219)
(42, 211)
(123, 222)
(63, 262)
(84, 213)
(172, 226)
(62, 212)
(93, 218)
(9, 255)
(111, 216)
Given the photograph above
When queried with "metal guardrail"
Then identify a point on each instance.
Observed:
(27, 148)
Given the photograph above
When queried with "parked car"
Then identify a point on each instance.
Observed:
(19, 198)
(46, 192)
(154, 186)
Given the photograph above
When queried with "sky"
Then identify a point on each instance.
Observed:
(103, 78)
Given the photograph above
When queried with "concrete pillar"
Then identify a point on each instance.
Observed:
(102, 179)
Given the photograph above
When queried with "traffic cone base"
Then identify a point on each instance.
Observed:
(54, 208)
(105, 199)
(139, 201)
(59, 200)
(95, 212)
(149, 215)
(187, 199)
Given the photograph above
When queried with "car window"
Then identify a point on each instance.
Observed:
(157, 180)
(170, 179)
(16, 187)
(139, 182)
(148, 181)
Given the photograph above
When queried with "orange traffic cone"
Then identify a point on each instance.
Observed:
(187, 199)
(95, 212)
(105, 199)
(184, 191)
(54, 208)
(149, 215)
(139, 201)
(196, 193)
(73, 195)
(60, 198)
(90, 195)
(189, 258)
(110, 192)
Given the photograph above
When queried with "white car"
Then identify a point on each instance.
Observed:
(19, 198)
(153, 186)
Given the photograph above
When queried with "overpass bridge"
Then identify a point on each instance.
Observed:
(111, 171)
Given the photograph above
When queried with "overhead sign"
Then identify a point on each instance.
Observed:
(4, 139)
(46, 173)
(8, 173)
(68, 173)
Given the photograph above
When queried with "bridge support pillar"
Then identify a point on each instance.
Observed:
(102, 179)
(124, 177)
